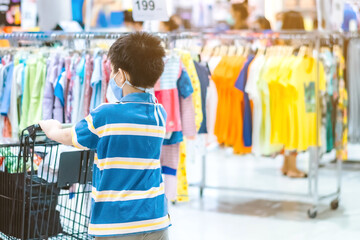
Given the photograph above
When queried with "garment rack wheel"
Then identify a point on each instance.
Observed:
(334, 204)
(312, 213)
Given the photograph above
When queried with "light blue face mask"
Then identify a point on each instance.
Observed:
(118, 91)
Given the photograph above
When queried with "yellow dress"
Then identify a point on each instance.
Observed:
(182, 186)
(304, 80)
(191, 70)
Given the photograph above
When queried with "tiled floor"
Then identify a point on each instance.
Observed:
(228, 215)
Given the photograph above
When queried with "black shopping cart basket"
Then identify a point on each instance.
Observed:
(44, 189)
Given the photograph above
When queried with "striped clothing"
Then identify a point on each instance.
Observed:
(128, 190)
(171, 74)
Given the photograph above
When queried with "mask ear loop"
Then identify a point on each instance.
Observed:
(115, 76)
(125, 81)
(139, 88)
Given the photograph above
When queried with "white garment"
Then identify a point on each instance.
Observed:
(254, 94)
(211, 108)
(213, 62)
(15, 94)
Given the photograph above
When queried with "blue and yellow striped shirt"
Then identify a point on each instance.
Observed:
(128, 191)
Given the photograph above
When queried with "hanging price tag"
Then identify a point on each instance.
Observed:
(144, 10)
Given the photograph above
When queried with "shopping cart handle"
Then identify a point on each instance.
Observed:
(34, 128)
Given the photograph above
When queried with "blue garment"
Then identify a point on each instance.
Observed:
(5, 100)
(349, 14)
(247, 118)
(102, 21)
(59, 88)
(117, 19)
(96, 82)
(77, 10)
(176, 137)
(203, 74)
(128, 191)
(168, 171)
(184, 85)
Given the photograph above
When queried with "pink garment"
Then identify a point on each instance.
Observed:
(170, 155)
(170, 187)
(170, 100)
(170, 158)
(88, 88)
(188, 116)
(106, 71)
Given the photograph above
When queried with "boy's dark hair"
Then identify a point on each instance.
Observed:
(141, 55)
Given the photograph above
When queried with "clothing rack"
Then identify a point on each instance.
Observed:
(313, 194)
(314, 38)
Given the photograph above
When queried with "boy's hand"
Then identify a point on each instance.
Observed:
(49, 127)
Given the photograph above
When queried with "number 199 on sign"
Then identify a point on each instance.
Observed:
(145, 5)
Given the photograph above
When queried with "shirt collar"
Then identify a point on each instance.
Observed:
(138, 97)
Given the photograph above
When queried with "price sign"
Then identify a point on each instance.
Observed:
(144, 10)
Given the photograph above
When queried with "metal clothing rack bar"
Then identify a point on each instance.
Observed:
(313, 194)
(17, 37)
(86, 35)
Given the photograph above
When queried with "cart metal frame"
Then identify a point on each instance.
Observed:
(36, 202)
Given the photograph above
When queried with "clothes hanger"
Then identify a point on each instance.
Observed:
(223, 50)
(232, 51)
(216, 52)
(260, 51)
(239, 51)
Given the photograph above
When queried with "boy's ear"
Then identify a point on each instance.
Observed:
(122, 77)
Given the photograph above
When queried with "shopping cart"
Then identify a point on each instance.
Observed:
(44, 192)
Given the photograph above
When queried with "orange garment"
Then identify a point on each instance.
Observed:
(232, 111)
(229, 117)
(218, 78)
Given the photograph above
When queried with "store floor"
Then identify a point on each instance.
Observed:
(228, 215)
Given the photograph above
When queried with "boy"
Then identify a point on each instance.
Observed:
(128, 200)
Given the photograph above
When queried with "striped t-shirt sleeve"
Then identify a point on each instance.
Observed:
(84, 134)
